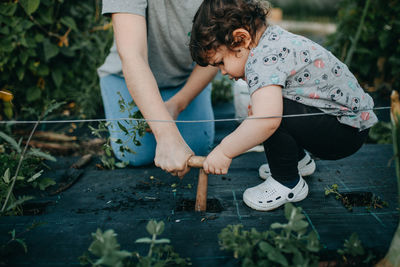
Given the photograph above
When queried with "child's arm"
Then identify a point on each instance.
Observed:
(266, 102)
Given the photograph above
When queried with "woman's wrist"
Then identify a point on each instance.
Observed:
(181, 102)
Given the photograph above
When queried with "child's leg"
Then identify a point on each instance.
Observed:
(322, 135)
(199, 136)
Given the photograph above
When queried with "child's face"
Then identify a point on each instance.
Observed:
(231, 63)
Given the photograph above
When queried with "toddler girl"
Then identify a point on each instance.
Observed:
(287, 74)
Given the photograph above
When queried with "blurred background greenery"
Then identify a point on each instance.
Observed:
(50, 50)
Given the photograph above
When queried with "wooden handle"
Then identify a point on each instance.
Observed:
(196, 161)
(201, 197)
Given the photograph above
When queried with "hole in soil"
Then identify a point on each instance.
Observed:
(358, 199)
(35, 208)
(213, 205)
(362, 199)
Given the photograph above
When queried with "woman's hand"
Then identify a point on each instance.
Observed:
(172, 154)
(217, 162)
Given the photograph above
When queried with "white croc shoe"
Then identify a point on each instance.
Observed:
(271, 194)
(306, 167)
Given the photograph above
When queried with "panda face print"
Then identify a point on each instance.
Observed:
(252, 79)
(283, 53)
(335, 94)
(303, 77)
(270, 59)
(294, 96)
(305, 56)
(337, 70)
(273, 36)
(355, 104)
(288, 83)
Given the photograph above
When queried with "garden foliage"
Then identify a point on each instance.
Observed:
(107, 251)
(376, 58)
(50, 49)
(286, 244)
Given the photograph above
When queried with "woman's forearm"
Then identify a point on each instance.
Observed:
(198, 80)
(138, 75)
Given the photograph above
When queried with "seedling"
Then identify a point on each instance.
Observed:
(107, 250)
(292, 246)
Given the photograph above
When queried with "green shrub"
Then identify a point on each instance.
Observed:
(50, 49)
(376, 58)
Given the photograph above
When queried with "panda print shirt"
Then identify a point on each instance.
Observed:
(308, 74)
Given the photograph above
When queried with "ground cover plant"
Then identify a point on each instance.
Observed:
(107, 251)
(289, 244)
(286, 244)
(50, 49)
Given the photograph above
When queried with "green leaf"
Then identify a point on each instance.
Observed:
(6, 176)
(33, 93)
(18, 202)
(152, 227)
(162, 241)
(299, 225)
(265, 247)
(45, 182)
(160, 228)
(11, 141)
(22, 243)
(276, 256)
(20, 71)
(69, 22)
(35, 176)
(57, 77)
(122, 128)
(50, 50)
(30, 6)
(106, 247)
(8, 9)
(144, 240)
(23, 57)
(35, 152)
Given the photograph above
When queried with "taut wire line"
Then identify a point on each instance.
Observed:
(183, 121)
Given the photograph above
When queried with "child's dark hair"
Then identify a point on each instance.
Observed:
(216, 20)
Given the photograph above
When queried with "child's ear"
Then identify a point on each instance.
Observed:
(242, 37)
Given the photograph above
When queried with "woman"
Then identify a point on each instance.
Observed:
(151, 63)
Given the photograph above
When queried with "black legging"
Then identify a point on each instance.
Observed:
(322, 135)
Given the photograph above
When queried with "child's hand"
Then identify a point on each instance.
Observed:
(217, 162)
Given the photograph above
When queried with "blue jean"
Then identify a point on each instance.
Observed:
(199, 136)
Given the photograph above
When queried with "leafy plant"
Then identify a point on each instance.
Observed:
(107, 250)
(26, 164)
(370, 50)
(50, 49)
(134, 126)
(292, 246)
(29, 175)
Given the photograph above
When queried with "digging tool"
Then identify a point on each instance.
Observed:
(201, 196)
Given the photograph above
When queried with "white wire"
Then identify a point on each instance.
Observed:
(179, 121)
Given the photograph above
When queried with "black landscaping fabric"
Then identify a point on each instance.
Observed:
(126, 199)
